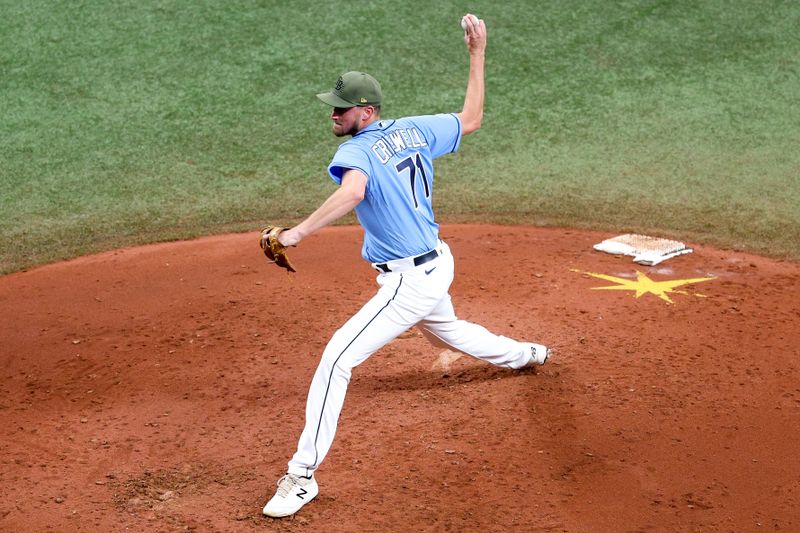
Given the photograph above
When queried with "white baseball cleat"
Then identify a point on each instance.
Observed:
(539, 355)
(293, 493)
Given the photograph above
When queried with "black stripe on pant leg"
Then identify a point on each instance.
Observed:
(333, 368)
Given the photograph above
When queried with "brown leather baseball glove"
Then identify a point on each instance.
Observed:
(273, 249)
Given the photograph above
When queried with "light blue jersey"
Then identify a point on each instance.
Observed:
(397, 157)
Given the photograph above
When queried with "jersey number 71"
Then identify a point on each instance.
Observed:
(408, 164)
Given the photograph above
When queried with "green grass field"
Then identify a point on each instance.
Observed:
(131, 122)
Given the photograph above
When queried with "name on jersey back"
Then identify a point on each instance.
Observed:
(396, 141)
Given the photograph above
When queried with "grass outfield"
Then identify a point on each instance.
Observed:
(132, 122)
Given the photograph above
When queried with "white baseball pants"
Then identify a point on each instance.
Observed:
(416, 296)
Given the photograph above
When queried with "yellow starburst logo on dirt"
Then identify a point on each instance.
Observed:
(643, 285)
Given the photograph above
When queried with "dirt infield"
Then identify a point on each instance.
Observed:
(141, 391)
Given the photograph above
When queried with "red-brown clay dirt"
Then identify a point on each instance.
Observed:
(162, 388)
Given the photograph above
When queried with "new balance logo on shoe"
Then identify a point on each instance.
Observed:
(538, 355)
(290, 485)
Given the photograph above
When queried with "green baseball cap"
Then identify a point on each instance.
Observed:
(354, 89)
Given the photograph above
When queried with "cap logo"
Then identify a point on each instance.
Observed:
(339, 84)
(363, 100)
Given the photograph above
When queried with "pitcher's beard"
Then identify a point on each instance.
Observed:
(339, 132)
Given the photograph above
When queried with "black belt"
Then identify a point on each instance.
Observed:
(419, 260)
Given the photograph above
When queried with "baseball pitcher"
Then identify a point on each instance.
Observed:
(385, 172)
